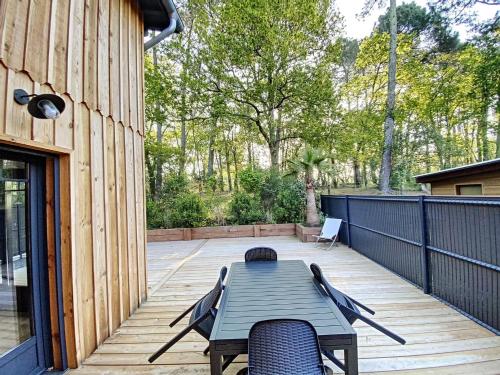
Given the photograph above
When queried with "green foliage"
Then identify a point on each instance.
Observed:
(176, 207)
(309, 160)
(431, 25)
(156, 215)
(246, 209)
(269, 189)
(290, 203)
(411, 18)
(174, 184)
(251, 179)
(188, 211)
(250, 82)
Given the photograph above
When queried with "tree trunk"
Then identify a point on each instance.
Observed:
(220, 174)
(228, 171)
(386, 167)
(274, 150)
(483, 130)
(236, 170)
(365, 175)
(427, 158)
(249, 150)
(357, 174)
(210, 163)
(182, 161)
(373, 172)
(210, 167)
(497, 114)
(498, 137)
(159, 138)
(312, 217)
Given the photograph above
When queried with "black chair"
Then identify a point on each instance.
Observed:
(260, 253)
(318, 275)
(284, 347)
(202, 319)
(348, 308)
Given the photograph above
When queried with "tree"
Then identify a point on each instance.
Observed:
(307, 164)
(386, 164)
(411, 18)
(270, 62)
(431, 25)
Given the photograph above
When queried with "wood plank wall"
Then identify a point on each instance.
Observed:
(489, 180)
(91, 53)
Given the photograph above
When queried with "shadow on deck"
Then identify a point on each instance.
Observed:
(439, 339)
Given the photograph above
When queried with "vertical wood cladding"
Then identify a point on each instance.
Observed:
(90, 53)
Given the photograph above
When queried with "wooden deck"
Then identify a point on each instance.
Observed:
(440, 340)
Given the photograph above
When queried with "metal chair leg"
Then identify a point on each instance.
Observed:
(228, 359)
(169, 344)
(331, 356)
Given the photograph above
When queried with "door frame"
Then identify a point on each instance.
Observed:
(48, 314)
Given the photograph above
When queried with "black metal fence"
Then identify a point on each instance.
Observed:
(449, 247)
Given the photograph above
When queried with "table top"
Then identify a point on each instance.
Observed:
(285, 289)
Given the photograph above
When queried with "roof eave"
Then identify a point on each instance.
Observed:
(466, 170)
(158, 13)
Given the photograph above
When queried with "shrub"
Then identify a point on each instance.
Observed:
(251, 179)
(269, 189)
(187, 211)
(155, 215)
(174, 184)
(290, 203)
(217, 208)
(246, 209)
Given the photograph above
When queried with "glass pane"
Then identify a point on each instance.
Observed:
(11, 169)
(470, 190)
(15, 288)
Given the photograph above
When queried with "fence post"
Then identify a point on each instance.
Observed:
(425, 253)
(348, 220)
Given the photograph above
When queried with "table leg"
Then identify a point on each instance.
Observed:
(351, 358)
(215, 361)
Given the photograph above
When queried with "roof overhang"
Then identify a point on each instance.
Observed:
(466, 170)
(158, 13)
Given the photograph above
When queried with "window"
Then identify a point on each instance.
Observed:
(473, 189)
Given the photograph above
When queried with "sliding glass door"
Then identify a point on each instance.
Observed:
(23, 274)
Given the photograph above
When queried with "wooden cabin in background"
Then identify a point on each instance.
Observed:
(473, 179)
(72, 249)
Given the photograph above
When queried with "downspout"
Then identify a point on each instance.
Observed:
(164, 34)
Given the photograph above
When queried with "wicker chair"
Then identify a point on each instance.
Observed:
(284, 347)
(349, 308)
(202, 319)
(260, 253)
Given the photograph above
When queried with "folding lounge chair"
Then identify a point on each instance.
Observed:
(330, 231)
(202, 320)
(284, 347)
(348, 308)
(260, 253)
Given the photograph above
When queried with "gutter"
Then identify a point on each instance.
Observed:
(163, 35)
(175, 25)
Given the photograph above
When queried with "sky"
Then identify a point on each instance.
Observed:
(359, 28)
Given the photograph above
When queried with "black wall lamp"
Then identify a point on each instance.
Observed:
(44, 106)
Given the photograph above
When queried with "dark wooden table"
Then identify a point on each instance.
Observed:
(284, 289)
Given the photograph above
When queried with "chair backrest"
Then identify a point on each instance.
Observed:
(331, 227)
(260, 253)
(284, 347)
(342, 301)
(349, 306)
(207, 303)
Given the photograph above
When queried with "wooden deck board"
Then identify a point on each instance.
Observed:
(440, 340)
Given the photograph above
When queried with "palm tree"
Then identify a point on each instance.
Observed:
(310, 161)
